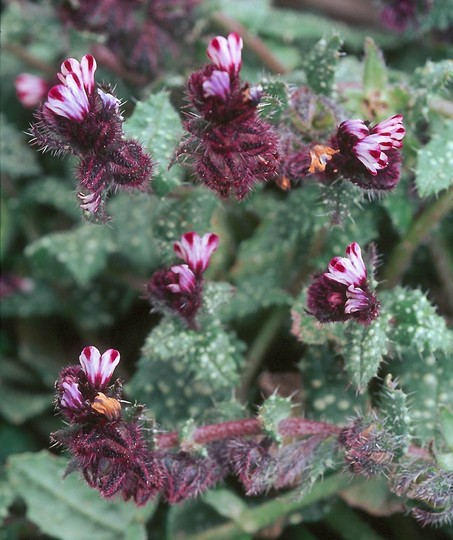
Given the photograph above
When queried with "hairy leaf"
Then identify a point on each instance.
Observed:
(80, 253)
(156, 124)
(435, 163)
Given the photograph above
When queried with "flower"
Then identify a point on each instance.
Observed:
(99, 368)
(70, 99)
(81, 119)
(180, 288)
(71, 398)
(106, 447)
(30, 89)
(177, 289)
(367, 156)
(231, 147)
(342, 293)
(225, 53)
(196, 251)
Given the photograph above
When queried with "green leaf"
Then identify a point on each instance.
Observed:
(22, 398)
(156, 124)
(18, 159)
(415, 323)
(272, 411)
(80, 254)
(227, 503)
(68, 509)
(39, 300)
(328, 394)
(374, 70)
(252, 294)
(183, 372)
(446, 420)
(133, 216)
(320, 65)
(275, 100)
(54, 192)
(364, 351)
(6, 499)
(395, 411)
(435, 163)
(192, 212)
(427, 380)
(192, 517)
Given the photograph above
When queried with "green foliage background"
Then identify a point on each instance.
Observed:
(87, 281)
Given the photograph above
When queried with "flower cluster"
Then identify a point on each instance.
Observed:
(342, 293)
(231, 147)
(118, 454)
(106, 448)
(368, 156)
(83, 120)
(180, 288)
(138, 36)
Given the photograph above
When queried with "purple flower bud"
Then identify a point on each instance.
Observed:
(99, 369)
(196, 251)
(186, 280)
(225, 53)
(342, 292)
(177, 289)
(71, 398)
(217, 85)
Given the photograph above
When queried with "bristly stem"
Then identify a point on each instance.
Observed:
(289, 427)
(418, 231)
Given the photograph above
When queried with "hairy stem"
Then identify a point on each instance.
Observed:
(421, 226)
(290, 427)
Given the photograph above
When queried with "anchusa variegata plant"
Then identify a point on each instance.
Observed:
(257, 245)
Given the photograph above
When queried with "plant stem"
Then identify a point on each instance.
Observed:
(252, 42)
(289, 427)
(421, 226)
(252, 520)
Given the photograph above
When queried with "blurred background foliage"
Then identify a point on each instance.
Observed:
(67, 284)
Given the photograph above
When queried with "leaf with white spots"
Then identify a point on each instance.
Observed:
(157, 125)
(80, 254)
(328, 395)
(183, 372)
(133, 216)
(414, 323)
(434, 170)
(428, 382)
(320, 65)
(364, 351)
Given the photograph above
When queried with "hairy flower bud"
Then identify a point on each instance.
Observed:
(367, 156)
(231, 148)
(342, 293)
